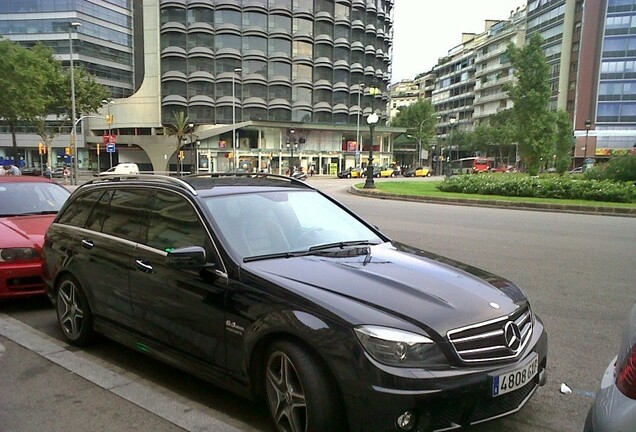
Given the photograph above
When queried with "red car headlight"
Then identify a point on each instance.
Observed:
(18, 254)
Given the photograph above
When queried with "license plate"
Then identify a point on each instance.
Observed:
(513, 380)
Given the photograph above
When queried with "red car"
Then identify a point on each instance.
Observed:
(28, 205)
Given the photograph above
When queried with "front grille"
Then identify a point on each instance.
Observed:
(499, 339)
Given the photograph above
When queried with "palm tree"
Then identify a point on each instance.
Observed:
(179, 129)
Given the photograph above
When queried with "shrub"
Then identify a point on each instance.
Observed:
(620, 168)
(567, 187)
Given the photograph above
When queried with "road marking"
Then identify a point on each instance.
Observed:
(163, 405)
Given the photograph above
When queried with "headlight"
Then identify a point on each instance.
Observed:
(399, 348)
(18, 254)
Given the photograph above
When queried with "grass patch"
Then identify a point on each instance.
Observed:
(429, 189)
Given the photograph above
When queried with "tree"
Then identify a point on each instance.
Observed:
(534, 127)
(22, 83)
(421, 121)
(179, 129)
(38, 88)
(563, 142)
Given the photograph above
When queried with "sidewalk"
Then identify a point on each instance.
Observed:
(47, 388)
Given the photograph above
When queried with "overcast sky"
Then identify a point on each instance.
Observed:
(424, 30)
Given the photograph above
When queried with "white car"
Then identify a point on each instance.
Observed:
(121, 169)
(614, 407)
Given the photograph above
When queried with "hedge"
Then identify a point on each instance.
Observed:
(561, 187)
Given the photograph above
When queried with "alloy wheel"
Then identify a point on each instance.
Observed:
(70, 310)
(285, 394)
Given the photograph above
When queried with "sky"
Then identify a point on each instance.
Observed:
(424, 30)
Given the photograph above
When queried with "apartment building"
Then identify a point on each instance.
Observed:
(493, 70)
(267, 80)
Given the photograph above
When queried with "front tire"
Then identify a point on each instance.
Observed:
(300, 396)
(73, 312)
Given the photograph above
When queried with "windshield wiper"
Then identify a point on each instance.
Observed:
(311, 251)
(276, 255)
(43, 212)
(343, 244)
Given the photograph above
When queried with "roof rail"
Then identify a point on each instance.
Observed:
(280, 177)
(155, 177)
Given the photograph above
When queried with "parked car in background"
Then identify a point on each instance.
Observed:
(351, 172)
(268, 287)
(121, 169)
(58, 172)
(614, 407)
(389, 172)
(28, 205)
(419, 172)
(31, 171)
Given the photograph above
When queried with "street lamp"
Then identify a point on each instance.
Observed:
(588, 125)
(191, 128)
(109, 121)
(451, 121)
(372, 120)
(71, 26)
(234, 144)
(291, 143)
(358, 146)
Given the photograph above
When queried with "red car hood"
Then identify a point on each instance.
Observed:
(24, 231)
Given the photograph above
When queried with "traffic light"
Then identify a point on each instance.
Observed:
(181, 154)
(97, 148)
(41, 149)
(67, 151)
(109, 119)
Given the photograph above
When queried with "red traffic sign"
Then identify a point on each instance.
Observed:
(110, 139)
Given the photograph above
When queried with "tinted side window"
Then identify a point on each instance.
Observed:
(95, 219)
(126, 214)
(174, 223)
(77, 212)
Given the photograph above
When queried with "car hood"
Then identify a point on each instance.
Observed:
(24, 231)
(428, 290)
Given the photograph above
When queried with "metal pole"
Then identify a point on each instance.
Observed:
(234, 143)
(358, 144)
(73, 134)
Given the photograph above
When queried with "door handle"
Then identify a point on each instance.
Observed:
(88, 244)
(143, 266)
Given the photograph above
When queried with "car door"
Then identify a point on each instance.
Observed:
(108, 241)
(178, 308)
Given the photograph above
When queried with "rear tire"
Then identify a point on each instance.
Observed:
(300, 394)
(73, 312)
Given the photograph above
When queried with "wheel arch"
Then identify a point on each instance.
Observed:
(257, 363)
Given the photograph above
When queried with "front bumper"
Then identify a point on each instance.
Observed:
(21, 280)
(437, 400)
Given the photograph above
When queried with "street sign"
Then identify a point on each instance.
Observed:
(110, 148)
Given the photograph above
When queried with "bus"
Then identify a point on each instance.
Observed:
(472, 165)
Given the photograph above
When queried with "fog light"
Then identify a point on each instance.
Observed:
(406, 421)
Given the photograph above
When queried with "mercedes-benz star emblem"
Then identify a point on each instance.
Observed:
(512, 335)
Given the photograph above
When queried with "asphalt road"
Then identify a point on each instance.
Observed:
(578, 271)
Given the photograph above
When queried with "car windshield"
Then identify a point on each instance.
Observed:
(26, 198)
(278, 222)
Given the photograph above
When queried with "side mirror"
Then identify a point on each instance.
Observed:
(186, 257)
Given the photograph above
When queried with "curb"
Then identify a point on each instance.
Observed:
(558, 208)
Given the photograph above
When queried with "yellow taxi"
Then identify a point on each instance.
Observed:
(419, 172)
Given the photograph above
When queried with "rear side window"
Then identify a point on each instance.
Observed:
(78, 211)
(100, 209)
(174, 223)
(126, 213)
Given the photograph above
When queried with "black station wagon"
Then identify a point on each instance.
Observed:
(267, 287)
